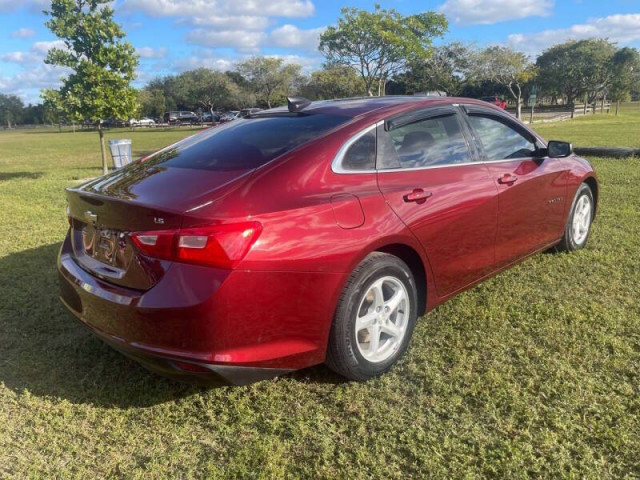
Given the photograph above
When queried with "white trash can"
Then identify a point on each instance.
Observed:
(120, 152)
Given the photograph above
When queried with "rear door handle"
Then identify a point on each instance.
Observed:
(418, 195)
(507, 179)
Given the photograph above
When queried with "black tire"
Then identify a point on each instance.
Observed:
(569, 243)
(343, 354)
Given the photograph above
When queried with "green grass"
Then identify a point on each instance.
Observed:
(600, 130)
(535, 372)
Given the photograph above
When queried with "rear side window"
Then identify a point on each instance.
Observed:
(434, 141)
(500, 141)
(361, 154)
(246, 143)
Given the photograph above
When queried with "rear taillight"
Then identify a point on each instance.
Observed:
(221, 246)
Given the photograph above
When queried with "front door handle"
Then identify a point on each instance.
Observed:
(507, 179)
(418, 195)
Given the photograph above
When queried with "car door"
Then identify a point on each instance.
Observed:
(429, 175)
(532, 188)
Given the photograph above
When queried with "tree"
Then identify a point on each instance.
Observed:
(55, 110)
(269, 78)
(11, 109)
(578, 69)
(102, 65)
(505, 67)
(379, 43)
(626, 74)
(444, 70)
(208, 89)
(151, 102)
(33, 114)
(333, 82)
(558, 74)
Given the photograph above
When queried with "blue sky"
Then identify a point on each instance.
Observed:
(175, 35)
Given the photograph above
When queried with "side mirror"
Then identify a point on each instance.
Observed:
(558, 149)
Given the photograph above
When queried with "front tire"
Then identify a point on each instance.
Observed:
(579, 222)
(374, 320)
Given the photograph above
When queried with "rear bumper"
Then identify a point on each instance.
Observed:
(177, 369)
(240, 326)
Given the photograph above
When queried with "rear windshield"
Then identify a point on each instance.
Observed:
(246, 143)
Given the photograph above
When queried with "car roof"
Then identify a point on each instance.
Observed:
(357, 106)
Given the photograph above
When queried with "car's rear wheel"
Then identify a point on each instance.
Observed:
(374, 319)
(578, 225)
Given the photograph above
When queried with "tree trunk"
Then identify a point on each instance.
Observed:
(572, 104)
(105, 169)
(586, 100)
(617, 106)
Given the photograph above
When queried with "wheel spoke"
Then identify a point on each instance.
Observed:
(392, 329)
(393, 303)
(366, 320)
(378, 297)
(374, 339)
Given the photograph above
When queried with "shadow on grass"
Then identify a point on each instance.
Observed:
(13, 175)
(46, 351)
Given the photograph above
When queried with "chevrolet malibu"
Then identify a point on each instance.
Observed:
(317, 232)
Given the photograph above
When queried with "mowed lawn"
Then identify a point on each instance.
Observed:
(600, 130)
(533, 373)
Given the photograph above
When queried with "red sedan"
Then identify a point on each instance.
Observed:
(314, 233)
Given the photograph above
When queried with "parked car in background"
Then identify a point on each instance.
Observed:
(495, 100)
(143, 122)
(284, 240)
(112, 123)
(245, 112)
(232, 115)
(207, 117)
(181, 118)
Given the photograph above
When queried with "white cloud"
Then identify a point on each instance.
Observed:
(202, 58)
(290, 36)
(244, 22)
(617, 28)
(35, 55)
(467, 12)
(222, 8)
(150, 52)
(34, 6)
(27, 83)
(238, 24)
(23, 33)
(242, 40)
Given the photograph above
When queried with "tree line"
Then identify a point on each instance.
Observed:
(366, 53)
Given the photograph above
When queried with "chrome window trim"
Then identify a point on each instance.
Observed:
(336, 164)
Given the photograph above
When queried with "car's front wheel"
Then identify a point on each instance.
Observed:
(374, 319)
(578, 225)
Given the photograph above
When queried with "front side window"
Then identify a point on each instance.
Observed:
(434, 141)
(500, 141)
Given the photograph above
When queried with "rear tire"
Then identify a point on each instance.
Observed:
(578, 226)
(375, 317)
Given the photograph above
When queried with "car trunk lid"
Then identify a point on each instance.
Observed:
(104, 211)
